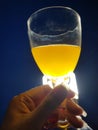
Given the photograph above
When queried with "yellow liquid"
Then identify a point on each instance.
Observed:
(57, 59)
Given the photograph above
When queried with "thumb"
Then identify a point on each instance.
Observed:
(51, 102)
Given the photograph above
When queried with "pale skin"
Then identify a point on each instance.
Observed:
(30, 110)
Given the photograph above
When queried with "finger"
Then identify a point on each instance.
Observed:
(51, 102)
(75, 121)
(73, 107)
(37, 91)
(35, 95)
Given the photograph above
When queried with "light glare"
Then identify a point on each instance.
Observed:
(67, 80)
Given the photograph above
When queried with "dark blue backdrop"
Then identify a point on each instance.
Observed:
(18, 71)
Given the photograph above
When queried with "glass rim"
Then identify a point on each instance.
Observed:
(49, 7)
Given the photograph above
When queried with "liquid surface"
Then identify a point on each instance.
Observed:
(57, 59)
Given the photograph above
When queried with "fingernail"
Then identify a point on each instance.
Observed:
(84, 114)
(60, 90)
(70, 93)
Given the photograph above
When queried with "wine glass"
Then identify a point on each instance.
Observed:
(55, 40)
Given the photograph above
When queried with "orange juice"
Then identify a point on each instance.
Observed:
(57, 59)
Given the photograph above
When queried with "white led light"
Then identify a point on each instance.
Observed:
(68, 80)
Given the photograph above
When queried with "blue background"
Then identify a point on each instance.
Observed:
(18, 71)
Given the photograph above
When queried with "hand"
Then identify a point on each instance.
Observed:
(30, 110)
